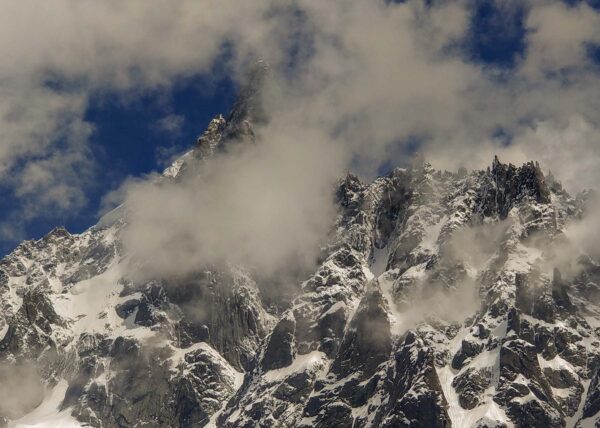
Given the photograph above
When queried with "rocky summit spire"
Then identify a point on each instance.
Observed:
(512, 184)
(246, 112)
(249, 108)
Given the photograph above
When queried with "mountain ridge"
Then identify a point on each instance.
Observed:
(438, 301)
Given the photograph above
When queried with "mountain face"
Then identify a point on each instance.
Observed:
(439, 301)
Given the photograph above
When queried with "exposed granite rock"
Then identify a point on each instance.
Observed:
(280, 350)
(470, 384)
(367, 342)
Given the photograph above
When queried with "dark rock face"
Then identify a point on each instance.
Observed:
(512, 184)
(559, 292)
(518, 357)
(592, 401)
(30, 330)
(468, 349)
(147, 385)
(348, 195)
(223, 310)
(470, 384)
(564, 379)
(367, 342)
(295, 389)
(125, 309)
(354, 373)
(395, 199)
(335, 415)
(321, 311)
(280, 350)
(248, 109)
(414, 370)
(331, 329)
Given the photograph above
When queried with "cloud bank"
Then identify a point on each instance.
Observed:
(268, 206)
(361, 83)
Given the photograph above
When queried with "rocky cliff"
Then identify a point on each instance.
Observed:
(438, 301)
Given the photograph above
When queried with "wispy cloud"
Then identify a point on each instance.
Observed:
(357, 80)
(170, 124)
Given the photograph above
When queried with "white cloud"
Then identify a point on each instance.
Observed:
(557, 38)
(54, 56)
(267, 205)
(171, 123)
(369, 76)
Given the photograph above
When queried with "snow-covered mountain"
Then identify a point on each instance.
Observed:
(438, 301)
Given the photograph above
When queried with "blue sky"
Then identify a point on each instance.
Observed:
(128, 140)
(134, 132)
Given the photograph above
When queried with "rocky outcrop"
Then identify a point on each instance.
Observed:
(511, 184)
(416, 397)
(30, 330)
(367, 342)
(435, 302)
(280, 351)
(223, 309)
(161, 386)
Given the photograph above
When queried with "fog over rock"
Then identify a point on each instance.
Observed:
(428, 298)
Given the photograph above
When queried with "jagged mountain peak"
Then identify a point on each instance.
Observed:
(248, 108)
(238, 127)
(439, 301)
